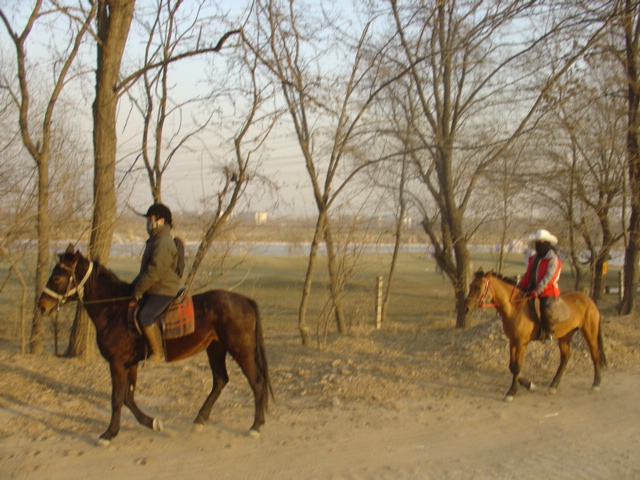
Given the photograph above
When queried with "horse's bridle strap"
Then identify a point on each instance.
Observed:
(489, 288)
(79, 288)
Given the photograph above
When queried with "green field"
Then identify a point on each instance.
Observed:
(420, 294)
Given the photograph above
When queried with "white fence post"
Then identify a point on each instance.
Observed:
(379, 304)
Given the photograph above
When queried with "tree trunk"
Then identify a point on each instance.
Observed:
(597, 286)
(308, 280)
(461, 283)
(113, 22)
(626, 306)
(396, 250)
(386, 298)
(627, 303)
(335, 281)
(42, 265)
(456, 267)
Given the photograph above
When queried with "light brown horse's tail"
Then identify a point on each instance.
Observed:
(260, 356)
(602, 360)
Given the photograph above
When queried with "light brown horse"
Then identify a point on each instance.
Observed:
(490, 290)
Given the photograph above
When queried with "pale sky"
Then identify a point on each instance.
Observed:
(189, 177)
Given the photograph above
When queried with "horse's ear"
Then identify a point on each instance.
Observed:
(69, 251)
(480, 272)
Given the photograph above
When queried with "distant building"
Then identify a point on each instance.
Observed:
(260, 218)
(390, 221)
(256, 218)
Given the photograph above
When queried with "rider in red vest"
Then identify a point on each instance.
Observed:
(541, 278)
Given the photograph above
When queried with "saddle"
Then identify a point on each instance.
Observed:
(558, 313)
(175, 321)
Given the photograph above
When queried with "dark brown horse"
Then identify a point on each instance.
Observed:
(520, 327)
(226, 322)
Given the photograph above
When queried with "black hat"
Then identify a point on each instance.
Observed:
(159, 210)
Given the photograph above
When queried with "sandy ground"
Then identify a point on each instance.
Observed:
(421, 401)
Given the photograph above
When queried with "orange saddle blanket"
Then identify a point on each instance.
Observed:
(177, 319)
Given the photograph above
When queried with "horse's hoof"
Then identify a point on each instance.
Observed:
(253, 433)
(103, 442)
(508, 398)
(532, 387)
(197, 427)
(553, 391)
(595, 388)
(157, 425)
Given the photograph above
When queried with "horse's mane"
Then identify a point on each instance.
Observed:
(509, 280)
(111, 276)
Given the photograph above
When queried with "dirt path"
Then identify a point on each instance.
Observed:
(433, 409)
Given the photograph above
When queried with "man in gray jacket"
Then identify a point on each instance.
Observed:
(157, 284)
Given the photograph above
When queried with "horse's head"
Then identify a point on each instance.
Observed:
(478, 290)
(66, 281)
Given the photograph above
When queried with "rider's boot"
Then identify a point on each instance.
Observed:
(155, 342)
(546, 328)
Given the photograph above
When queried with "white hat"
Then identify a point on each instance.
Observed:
(544, 236)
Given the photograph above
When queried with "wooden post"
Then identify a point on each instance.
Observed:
(379, 304)
(55, 333)
(621, 284)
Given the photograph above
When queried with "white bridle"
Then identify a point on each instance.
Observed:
(79, 288)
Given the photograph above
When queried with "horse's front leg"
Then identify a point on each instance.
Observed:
(129, 401)
(118, 390)
(516, 357)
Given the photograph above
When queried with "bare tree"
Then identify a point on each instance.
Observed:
(236, 175)
(326, 105)
(37, 141)
(175, 33)
(12, 210)
(394, 176)
(627, 19)
(592, 121)
(113, 23)
(166, 131)
(466, 67)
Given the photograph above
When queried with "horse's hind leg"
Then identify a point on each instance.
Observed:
(593, 337)
(216, 353)
(247, 362)
(565, 354)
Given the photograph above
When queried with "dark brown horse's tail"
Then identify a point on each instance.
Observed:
(602, 360)
(261, 360)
